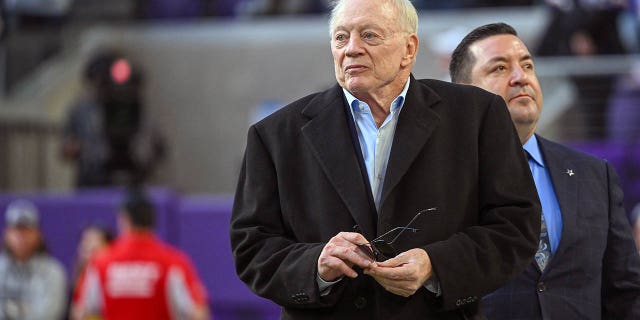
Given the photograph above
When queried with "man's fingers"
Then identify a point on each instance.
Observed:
(349, 253)
(401, 288)
(351, 237)
(403, 275)
(352, 240)
(336, 264)
(402, 272)
(400, 259)
(340, 254)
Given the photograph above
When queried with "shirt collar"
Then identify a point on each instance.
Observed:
(532, 147)
(396, 104)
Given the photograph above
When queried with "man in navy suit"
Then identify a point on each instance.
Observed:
(587, 265)
(331, 172)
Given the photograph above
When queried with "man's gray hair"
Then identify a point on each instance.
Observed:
(406, 12)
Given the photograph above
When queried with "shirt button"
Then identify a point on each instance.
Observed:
(541, 287)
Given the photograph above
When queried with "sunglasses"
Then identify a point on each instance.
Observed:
(379, 249)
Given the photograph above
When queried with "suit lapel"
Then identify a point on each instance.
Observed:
(416, 124)
(566, 189)
(328, 135)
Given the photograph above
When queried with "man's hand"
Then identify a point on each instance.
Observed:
(339, 256)
(404, 274)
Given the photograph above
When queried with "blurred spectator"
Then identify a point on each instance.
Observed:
(32, 283)
(586, 28)
(93, 239)
(107, 133)
(139, 276)
(629, 26)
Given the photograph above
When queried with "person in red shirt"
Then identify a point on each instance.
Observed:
(139, 276)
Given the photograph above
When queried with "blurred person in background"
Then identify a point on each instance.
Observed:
(94, 238)
(587, 265)
(329, 178)
(107, 133)
(139, 276)
(32, 283)
(584, 28)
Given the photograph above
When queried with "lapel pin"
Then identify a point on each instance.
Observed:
(570, 172)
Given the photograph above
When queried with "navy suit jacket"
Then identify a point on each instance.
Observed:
(595, 272)
(301, 183)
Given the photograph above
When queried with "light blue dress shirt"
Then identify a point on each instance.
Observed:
(375, 142)
(546, 192)
(376, 147)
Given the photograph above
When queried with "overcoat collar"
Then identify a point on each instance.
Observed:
(328, 136)
(416, 123)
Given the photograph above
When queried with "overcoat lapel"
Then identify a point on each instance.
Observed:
(415, 125)
(328, 135)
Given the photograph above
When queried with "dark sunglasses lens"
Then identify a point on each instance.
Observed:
(386, 251)
(367, 250)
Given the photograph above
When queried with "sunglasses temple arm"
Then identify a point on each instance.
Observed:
(410, 222)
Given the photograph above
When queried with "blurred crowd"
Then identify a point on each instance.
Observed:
(132, 276)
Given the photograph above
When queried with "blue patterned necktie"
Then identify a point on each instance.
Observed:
(544, 247)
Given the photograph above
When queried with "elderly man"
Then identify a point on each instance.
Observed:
(327, 180)
(32, 282)
(587, 266)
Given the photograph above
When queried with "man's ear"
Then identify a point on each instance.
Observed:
(411, 50)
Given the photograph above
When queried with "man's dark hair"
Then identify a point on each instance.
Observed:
(462, 60)
(139, 210)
